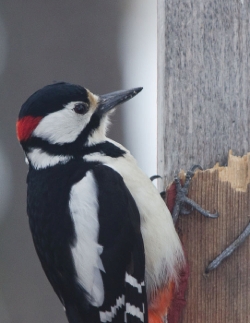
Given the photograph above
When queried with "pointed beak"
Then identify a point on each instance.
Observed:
(109, 101)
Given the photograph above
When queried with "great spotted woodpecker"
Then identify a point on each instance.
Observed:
(102, 232)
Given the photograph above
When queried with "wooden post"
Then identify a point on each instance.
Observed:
(224, 294)
(203, 88)
(203, 112)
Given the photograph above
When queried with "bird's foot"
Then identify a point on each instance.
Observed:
(229, 250)
(163, 193)
(182, 201)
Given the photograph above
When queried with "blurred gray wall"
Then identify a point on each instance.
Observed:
(75, 41)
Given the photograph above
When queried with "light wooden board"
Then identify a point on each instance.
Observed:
(203, 112)
(203, 82)
(224, 294)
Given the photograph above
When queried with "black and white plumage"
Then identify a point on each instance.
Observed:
(104, 237)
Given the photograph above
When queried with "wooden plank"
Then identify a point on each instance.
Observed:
(203, 99)
(203, 90)
(224, 294)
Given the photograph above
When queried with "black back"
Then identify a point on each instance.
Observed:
(53, 233)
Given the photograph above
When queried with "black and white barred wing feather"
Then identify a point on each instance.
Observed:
(86, 230)
(108, 253)
(123, 252)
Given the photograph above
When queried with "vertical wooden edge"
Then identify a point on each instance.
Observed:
(161, 110)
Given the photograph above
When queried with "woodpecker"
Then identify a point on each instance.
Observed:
(102, 232)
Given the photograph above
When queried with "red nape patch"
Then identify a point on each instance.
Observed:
(25, 127)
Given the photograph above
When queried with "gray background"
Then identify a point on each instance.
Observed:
(46, 41)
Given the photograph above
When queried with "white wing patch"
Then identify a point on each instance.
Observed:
(133, 282)
(108, 316)
(135, 311)
(86, 252)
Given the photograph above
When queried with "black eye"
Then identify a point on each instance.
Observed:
(81, 108)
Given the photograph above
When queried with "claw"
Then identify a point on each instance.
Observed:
(152, 178)
(163, 193)
(194, 167)
(190, 175)
(181, 197)
(177, 183)
(229, 250)
(200, 209)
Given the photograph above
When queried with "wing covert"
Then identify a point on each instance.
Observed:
(91, 207)
(123, 255)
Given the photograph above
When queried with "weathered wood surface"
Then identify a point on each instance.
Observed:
(203, 112)
(203, 88)
(224, 294)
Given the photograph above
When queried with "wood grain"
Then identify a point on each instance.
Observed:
(203, 90)
(224, 294)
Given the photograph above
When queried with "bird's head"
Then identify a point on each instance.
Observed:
(62, 118)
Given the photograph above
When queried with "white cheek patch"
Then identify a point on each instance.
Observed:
(62, 126)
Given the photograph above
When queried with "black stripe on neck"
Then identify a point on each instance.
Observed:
(105, 148)
(77, 148)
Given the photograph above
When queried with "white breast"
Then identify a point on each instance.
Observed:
(163, 249)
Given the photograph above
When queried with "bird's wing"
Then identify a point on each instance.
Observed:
(108, 253)
(123, 256)
(89, 242)
(52, 226)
